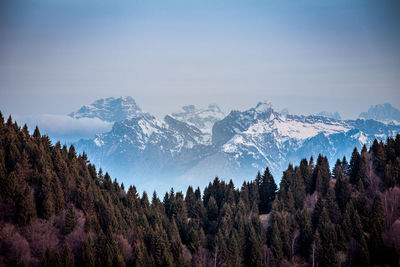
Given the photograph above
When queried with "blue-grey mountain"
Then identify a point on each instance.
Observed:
(194, 145)
(384, 112)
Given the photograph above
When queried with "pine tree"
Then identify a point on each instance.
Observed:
(332, 206)
(376, 244)
(306, 174)
(26, 209)
(46, 259)
(9, 187)
(276, 242)
(319, 206)
(254, 248)
(298, 189)
(306, 232)
(70, 220)
(389, 179)
(345, 167)
(379, 156)
(342, 191)
(212, 209)
(190, 201)
(67, 257)
(362, 169)
(46, 202)
(36, 134)
(88, 257)
(328, 239)
(354, 166)
(267, 191)
(336, 169)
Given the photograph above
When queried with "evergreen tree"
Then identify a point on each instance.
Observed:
(26, 209)
(88, 257)
(342, 191)
(376, 244)
(9, 187)
(67, 257)
(46, 259)
(298, 189)
(306, 232)
(336, 169)
(389, 179)
(332, 207)
(354, 166)
(345, 167)
(379, 156)
(276, 242)
(190, 200)
(254, 248)
(70, 220)
(328, 239)
(212, 209)
(267, 191)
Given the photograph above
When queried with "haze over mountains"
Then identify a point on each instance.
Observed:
(385, 112)
(194, 145)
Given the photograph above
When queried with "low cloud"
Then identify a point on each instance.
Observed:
(64, 128)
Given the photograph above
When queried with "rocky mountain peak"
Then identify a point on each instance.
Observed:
(109, 109)
(382, 112)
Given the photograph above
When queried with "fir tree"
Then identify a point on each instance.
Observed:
(342, 191)
(26, 209)
(354, 167)
(88, 257)
(46, 259)
(70, 220)
(67, 257)
(267, 191)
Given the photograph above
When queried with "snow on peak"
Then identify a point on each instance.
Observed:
(263, 106)
(109, 109)
(203, 119)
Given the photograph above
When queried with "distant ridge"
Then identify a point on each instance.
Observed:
(383, 112)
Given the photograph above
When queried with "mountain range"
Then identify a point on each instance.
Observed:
(194, 145)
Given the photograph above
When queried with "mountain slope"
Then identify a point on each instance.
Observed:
(203, 119)
(181, 148)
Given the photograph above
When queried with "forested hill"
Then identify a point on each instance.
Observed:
(58, 210)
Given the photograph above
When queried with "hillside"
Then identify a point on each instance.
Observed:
(57, 209)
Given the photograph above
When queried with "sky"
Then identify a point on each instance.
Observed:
(306, 56)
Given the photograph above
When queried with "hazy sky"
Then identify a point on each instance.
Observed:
(308, 56)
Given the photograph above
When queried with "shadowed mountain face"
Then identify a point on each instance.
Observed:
(194, 145)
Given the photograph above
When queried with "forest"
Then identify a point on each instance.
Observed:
(57, 209)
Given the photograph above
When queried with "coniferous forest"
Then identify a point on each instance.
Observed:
(57, 209)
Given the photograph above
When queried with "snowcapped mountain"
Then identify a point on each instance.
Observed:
(194, 145)
(384, 112)
(203, 119)
(109, 109)
(333, 115)
(250, 140)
